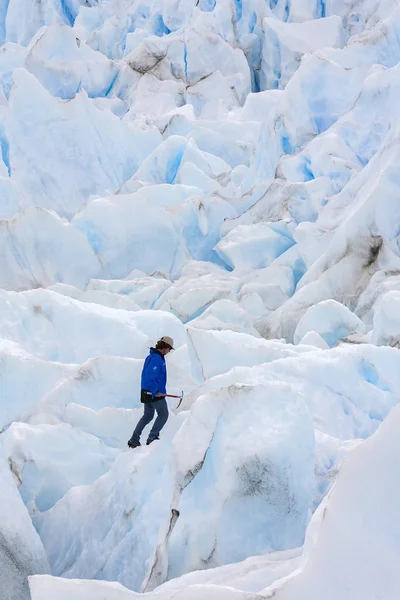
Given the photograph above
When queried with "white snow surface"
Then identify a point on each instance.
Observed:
(224, 172)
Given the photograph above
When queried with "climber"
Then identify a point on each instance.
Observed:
(153, 392)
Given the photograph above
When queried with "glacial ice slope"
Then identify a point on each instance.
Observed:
(355, 526)
(237, 473)
(225, 172)
(21, 551)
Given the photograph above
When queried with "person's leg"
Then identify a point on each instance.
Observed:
(161, 407)
(145, 420)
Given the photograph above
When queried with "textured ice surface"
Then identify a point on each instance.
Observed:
(224, 172)
(331, 320)
(21, 551)
(336, 562)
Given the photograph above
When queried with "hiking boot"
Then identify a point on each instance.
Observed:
(152, 440)
(132, 444)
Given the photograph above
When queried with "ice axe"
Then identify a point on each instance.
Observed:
(172, 396)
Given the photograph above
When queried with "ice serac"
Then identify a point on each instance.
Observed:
(84, 151)
(40, 249)
(101, 397)
(199, 286)
(358, 527)
(349, 389)
(122, 511)
(64, 65)
(255, 246)
(331, 320)
(286, 43)
(21, 551)
(163, 164)
(346, 392)
(137, 287)
(24, 19)
(336, 557)
(216, 75)
(225, 315)
(77, 331)
(102, 297)
(45, 458)
(386, 330)
(24, 380)
(264, 477)
(129, 232)
(248, 474)
(220, 351)
(363, 242)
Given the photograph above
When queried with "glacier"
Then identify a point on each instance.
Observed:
(226, 173)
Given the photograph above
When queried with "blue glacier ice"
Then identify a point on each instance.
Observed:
(224, 172)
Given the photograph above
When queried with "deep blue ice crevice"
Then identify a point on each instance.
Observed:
(5, 149)
(173, 166)
(321, 9)
(198, 312)
(79, 88)
(286, 145)
(215, 258)
(252, 22)
(281, 228)
(254, 58)
(271, 77)
(287, 11)
(185, 58)
(238, 9)
(159, 27)
(299, 268)
(70, 11)
(88, 229)
(333, 336)
(111, 85)
(371, 375)
(307, 170)
(207, 5)
(280, 8)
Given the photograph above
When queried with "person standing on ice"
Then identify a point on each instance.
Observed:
(153, 392)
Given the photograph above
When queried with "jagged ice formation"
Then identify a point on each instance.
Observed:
(224, 172)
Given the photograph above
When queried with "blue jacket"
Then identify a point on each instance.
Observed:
(154, 374)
